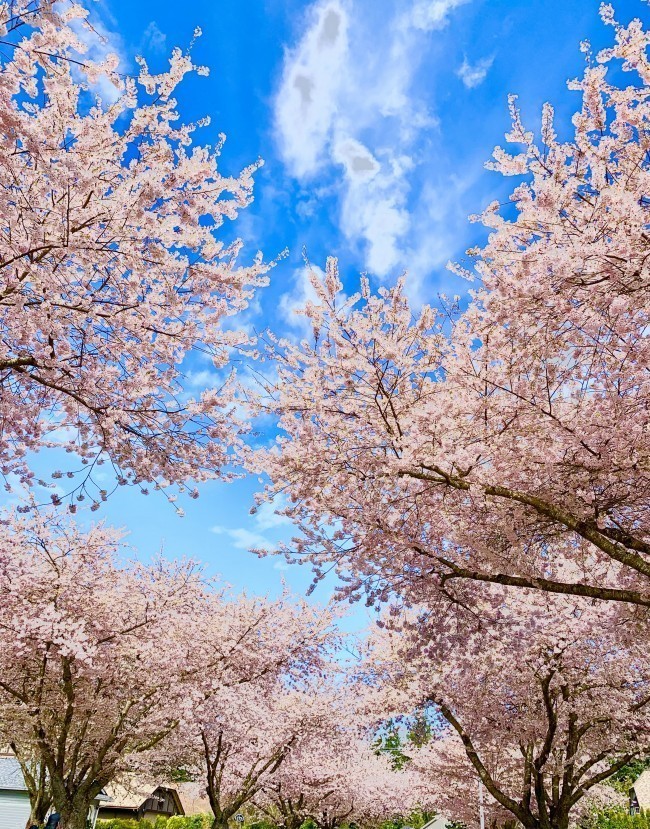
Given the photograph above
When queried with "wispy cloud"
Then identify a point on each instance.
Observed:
(374, 207)
(100, 39)
(473, 74)
(243, 539)
(266, 517)
(202, 379)
(264, 520)
(346, 105)
(153, 39)
(308, 104)
(433, 14)
(301, 292)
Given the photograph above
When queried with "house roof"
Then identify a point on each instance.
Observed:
(438, 822)
(12, 779)
(193, 799)
(132, 792)
(642, 789)
(11, 776)
(102, 797)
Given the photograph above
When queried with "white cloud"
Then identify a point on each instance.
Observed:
(436, 227)
(301, 293)
(433, 14)
(266, 517)
(473, 74)
(311, 85)
(346, 104)
(243, 539)
(374, 209)
(204, 378)
(100, 40)
(359, 162)
(263, 520)
(153, 39)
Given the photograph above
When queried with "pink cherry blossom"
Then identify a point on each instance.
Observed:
(105, 663)
(113, 272)
(539, 698)
(334, 776)
(506, 443)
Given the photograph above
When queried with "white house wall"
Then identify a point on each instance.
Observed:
(14, 810)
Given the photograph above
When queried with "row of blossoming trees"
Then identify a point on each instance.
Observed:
(112, 277)
(110, 669)
(481, 475)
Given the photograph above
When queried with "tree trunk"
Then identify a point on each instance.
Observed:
(217, 823)
(38, 788)
(39, 807)
(74, 815)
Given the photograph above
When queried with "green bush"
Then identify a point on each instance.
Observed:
(415, 819)
(122, 823)
(176, 822)
(617, 817)
(189, 822)
(261, 823)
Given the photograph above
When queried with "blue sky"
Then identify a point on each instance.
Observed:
(374, 119)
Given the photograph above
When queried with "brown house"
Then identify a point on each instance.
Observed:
(139, 799)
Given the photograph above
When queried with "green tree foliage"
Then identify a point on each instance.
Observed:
(266, 823)
(417, 732)
(624, 778)
(390, 742)
(420, 731)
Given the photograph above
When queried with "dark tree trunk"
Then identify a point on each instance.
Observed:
(39, 807)
(74, 815)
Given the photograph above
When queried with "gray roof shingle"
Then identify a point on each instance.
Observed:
(11, 777)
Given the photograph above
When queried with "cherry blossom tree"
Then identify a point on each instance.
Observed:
(239, 734)
(445, 766)
(112, 273)
(334, 775)
(101, 662)
(506, 443)
(459, 795)
(245, 737)
(545, 698)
